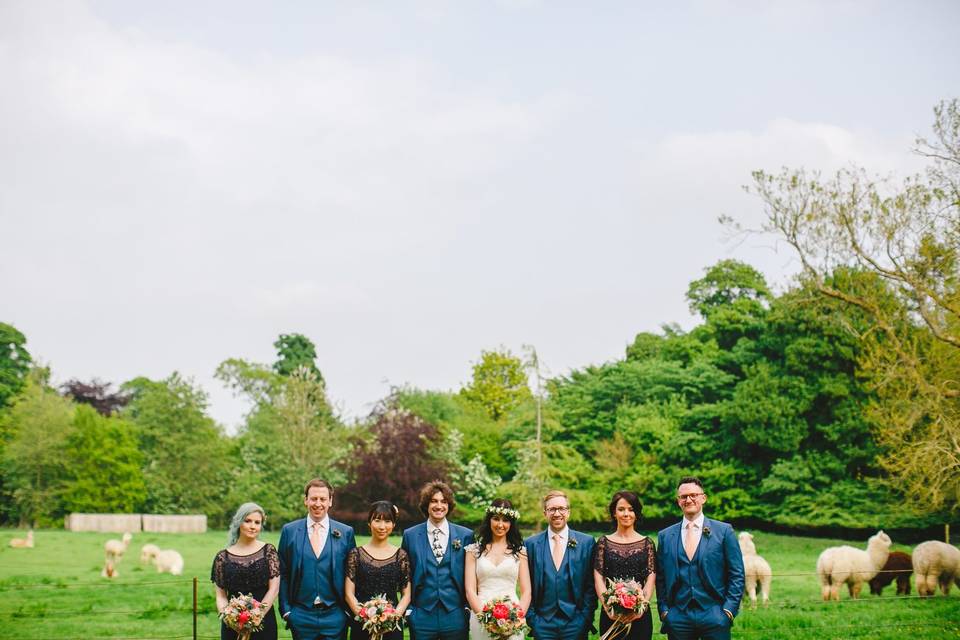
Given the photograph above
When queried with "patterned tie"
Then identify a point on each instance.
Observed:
(557, 551)
(437, 546)
(690, 542)
(315, 539)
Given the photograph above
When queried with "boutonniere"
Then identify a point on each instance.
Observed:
(706, 531)
(457, 544)
(572, 543)
(335, 533)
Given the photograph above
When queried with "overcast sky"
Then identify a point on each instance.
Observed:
(410, 183)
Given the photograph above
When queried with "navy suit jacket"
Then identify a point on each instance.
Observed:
(579, 568)
(290, 549)
(719, 562)
(418, 547)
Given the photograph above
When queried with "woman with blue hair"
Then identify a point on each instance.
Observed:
(248, 566)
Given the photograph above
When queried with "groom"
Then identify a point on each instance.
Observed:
(312, 553)
(561, 576)
(699, 571)
(436, 549)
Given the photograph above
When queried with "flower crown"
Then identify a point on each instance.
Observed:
(504, 511)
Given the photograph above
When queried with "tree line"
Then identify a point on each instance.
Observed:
(833, 403)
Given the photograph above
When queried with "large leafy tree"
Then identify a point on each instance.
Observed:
(295, 351)
(97, 394)
(907, 237)
(499, 383)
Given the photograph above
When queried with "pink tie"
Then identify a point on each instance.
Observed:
(315, 539)
(689, 543)
(557, 551)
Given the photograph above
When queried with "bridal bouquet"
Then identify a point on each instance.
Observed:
(244, 615)
(501, 617)
(378, 616)
(622, 598)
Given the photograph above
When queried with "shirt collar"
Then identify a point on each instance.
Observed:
(444, 527)
(697, 521)
(325, 523)
(563, 534)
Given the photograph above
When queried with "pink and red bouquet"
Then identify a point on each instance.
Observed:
(243, 614)
(622, 598)
(501, 617)
(379, 616)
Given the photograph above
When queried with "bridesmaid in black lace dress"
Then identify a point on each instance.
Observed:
(248, 566)
(626, 554)
(378, 567)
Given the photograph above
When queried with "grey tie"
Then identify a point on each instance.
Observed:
(437, 545)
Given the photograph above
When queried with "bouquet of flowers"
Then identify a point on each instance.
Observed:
(622, 598)
(501, 617)
(244, 615)
(378, 616)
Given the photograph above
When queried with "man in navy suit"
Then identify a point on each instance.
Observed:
(699, 571)
(561, 576)
(313, 551)
(438, 609)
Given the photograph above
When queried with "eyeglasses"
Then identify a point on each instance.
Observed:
(555, 510)
(688, 496)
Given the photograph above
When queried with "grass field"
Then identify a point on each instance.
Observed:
(55, 591)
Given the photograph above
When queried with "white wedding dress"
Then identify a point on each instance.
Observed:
(494, 580)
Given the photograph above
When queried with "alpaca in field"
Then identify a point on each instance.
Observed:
(936, 562)
(899, 566)
(116, 548)
(148, 552)
(169, 561)
(757, 570)
(109, 569)
(23, 543)
(846, 564)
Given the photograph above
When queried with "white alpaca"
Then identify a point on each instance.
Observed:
(838, 565)
(169, 561)
(756, 570)
(936, 562)
(148, 552)
(23, 543)
(116, 548)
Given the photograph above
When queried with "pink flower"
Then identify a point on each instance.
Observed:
(521, 613)
(628, 601)
(501, 611)
(362, 613)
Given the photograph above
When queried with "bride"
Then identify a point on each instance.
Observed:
(496, 564)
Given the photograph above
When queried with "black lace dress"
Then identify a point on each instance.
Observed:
(371, 577)
(248, 575)
(636, 560)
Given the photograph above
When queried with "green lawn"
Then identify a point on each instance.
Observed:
(55, 591)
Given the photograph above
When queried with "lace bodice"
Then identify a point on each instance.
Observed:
(496, 579)
(635, 560)
(372, 576)
(246, 574)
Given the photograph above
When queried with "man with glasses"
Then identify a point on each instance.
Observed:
(699, 571)
(561, 576)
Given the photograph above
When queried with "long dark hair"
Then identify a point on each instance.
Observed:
(484, 535)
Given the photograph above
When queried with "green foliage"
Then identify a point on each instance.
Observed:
(103, 465)
(499, 383)
(293, 352)
(14, 363)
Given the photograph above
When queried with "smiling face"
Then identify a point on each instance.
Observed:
(251, 526)
(499, 525)
(624, 514)
(381, 528)
(318, 500)
(438, 508)
(690, 497)
(557, 510)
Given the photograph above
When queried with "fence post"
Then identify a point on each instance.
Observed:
(194, 607)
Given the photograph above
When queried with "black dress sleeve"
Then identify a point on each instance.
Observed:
(651, 557)
(216, 571)
(273, 561)
(352, 558)
(599, 551)
(404, 561)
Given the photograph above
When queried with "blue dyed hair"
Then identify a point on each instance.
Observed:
(245, 509)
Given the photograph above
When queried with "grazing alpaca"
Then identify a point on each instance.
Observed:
(756, 570)
(899, 566)
(169, 561)
(116, 548)
(846, 564)
(23, 543)
(936, 562)
(109, 569)
(148, 552)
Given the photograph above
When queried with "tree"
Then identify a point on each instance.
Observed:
(97, 394)
(728, 283)
(499, 383)
(901, 245)
(293, 352)
(14, 363)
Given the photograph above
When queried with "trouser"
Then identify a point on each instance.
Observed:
(317, 624)
(438, 624)
(696, 622)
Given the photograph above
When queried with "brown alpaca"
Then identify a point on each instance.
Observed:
(899, 566)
